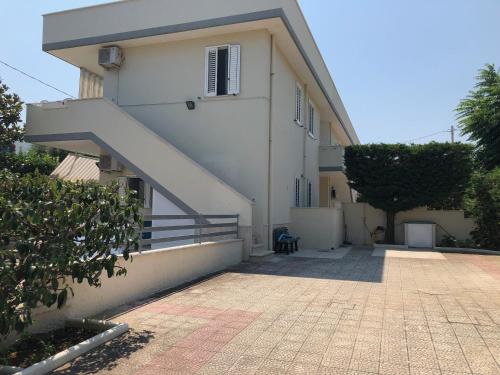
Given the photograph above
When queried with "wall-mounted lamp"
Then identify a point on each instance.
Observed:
(190, 105)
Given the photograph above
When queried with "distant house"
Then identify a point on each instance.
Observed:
(220, 109)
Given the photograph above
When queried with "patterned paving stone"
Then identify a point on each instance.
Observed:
(357, 314)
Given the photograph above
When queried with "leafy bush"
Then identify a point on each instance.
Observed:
(29, 162)
(483, 203)
(53, 232)
(450, 241)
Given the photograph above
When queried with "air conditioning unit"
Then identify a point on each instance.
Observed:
(110, 57)
(109, 164)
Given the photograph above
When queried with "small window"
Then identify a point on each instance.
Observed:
(222, 67)
(297, 192)
(312, 118)
(298, 104)
(309, 194)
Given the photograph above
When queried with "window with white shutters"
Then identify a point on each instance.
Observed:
(311, 118)
(298, 104)
(234, 70)
(297, 192)
(223, 70)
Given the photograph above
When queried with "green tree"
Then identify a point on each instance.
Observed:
(483, 203)
(29, 162)
(10, 117)
(479, 117)
(54, 232)
(397, 177)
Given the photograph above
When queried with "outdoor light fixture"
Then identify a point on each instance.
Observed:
(190, 105)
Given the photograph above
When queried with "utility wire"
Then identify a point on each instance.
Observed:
(36, 79)
(426, 136)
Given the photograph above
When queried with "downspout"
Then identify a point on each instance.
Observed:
(270, 137)
(305, 125)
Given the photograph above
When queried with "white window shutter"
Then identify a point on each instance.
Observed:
(234, 70)
(311, 118)
(298, 104)
(211, 72)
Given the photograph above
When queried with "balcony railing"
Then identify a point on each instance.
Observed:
(201, 230)
(331, 158)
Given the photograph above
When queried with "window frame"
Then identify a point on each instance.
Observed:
(297, 192)
(299, 106)
(228, 47)
(311, 111)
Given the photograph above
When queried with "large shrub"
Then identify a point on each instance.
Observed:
(483, 203)
(398, 177)
(53, 233)
(29, 162)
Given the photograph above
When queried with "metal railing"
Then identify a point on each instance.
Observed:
(202, 228)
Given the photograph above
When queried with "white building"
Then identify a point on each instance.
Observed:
(222, 107)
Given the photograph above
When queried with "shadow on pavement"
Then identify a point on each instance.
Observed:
(106, 357)
(357, 265)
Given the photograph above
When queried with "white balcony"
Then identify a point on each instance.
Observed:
(331, 158)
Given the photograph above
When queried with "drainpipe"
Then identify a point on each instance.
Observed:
(270, 135)
(305, 124)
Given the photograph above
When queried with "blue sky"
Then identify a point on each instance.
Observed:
(400, 66)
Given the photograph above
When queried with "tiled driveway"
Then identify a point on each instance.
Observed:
(360, 314)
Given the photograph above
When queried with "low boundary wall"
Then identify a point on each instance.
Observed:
(149, 272)
(318, 228)
(361, 219)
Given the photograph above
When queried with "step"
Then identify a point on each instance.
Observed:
(257, 247)
(260, 254)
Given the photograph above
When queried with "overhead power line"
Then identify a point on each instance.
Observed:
(426, 136)
(36, 79)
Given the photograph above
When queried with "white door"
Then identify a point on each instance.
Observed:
(420, 235)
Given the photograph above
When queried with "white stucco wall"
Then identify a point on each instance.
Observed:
(318, 228)
(148, 273)
(288, 144)
(226, 135)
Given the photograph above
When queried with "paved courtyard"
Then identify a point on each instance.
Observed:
(354, 314)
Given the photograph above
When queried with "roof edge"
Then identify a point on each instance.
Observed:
(203, 24)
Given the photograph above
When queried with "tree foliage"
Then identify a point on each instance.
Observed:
(483, 203)
(29, 162)
(479, 117)
(54, 232)
(10, 118)
(398, 177)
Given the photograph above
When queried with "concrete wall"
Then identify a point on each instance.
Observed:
(318, 228)
(361, 219)
(148, 273)
(143, 150)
